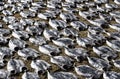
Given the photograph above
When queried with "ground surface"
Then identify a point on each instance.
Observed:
(47, 58)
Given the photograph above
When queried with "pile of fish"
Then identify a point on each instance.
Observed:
(59, 39)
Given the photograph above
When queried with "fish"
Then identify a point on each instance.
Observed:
(50, 50)
(79, 54)
(40, 66)
(37, 40)
(115, 44)
(105, 52)
(16, 44)
(28, 53)
(111, 75)
(46, 15)
(23, 35)
(88, 72)
(64, 42)
(51, 34)
(68, 17)
(98, 22)
(117, 2)
(30, 75)
(99, 64)
(4, 74)
(57, 24)
(63, 62)
(15, 66)
(85, 42)
(6, 52)
(34, 30)
(61, 75)
(116, 63)
(115, 26)
(78, 25)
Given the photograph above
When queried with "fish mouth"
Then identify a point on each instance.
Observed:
(52, 53)
(5, 56)
(70, 36)
(89, 17)
(80, 58)
(104, 25)
(12, 71)
(70, 46)
(109, 58)
(24, 69)
(59, 28)
(104, 69)
(29, 58)
(65, 67)
(16, 48)
(88, 45)
(52, 38)
(68, 20)
(26, 45)
(22, 38)
(80, 29)
(4, 61)
(39, 71)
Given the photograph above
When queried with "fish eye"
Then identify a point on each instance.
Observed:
(40, 72)
(52, 53)
(16, 48)
(88, 17)
(24, 68)
(70, 46)
(65, 66)
(29, 58)
(59, 28)
(12, 72)
(109, 58)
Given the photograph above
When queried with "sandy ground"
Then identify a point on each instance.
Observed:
(47, 58)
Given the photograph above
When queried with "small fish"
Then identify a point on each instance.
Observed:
(6, 52)
(115, 44)
(64, 42)
(68, 17)
(40, 66)
(63, 62)
(105, 52)
(51, 34)
(96, 30)
(50, 50)
(34, 30)
(16, 26)
(88, 72)
(117, 2)
(61, 75)
(77, 53)
(46, 15)
(116, 63)
(98, 63)
(111, 75)
(23, 35)
(28, 53)
(16, 44)
(85, 42)
(15, 66)
(4, 74)
(38, 40)
(57, 24)
(79, 25)
(115, 26)
(30, 75)
(98, 22)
